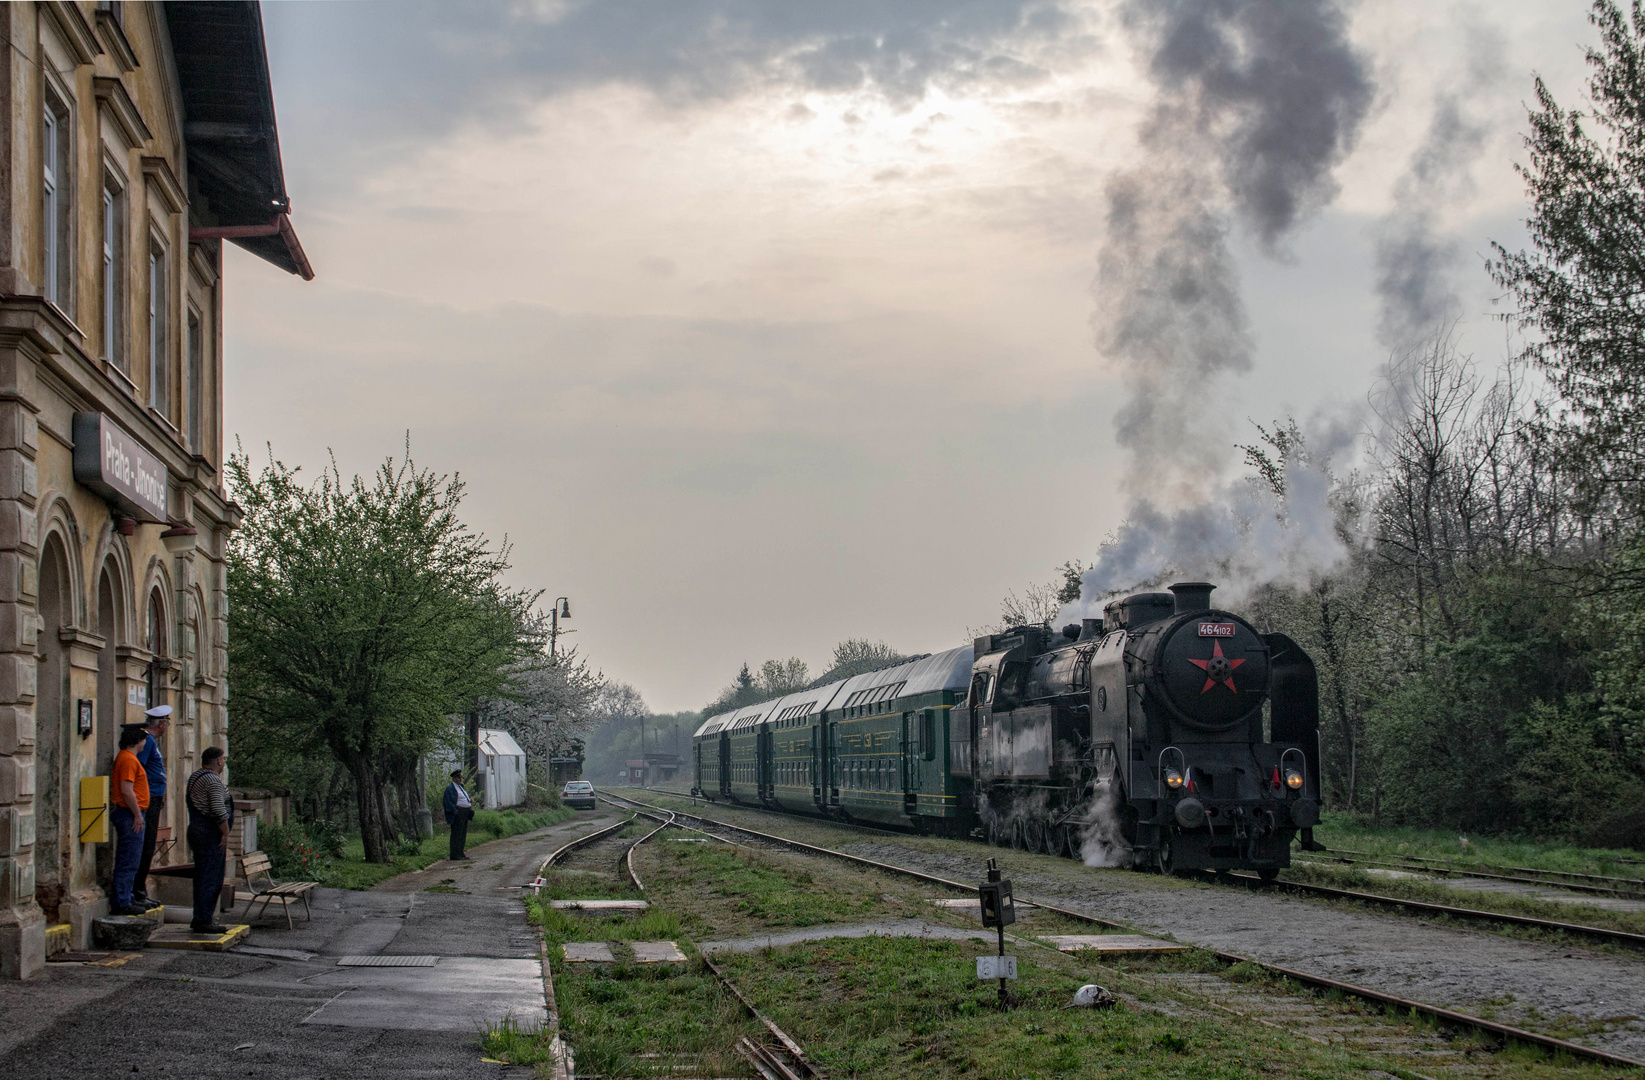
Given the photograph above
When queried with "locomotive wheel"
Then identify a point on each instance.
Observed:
(1033, 835)
(1059, 841)
(996, 832)
(1163, 857)
(1017, 841)
(1268, 874)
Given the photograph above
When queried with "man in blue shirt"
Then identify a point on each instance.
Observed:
(153, 760)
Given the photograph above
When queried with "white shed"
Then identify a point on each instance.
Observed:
(502, 770)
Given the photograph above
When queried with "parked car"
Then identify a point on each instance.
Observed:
(578, 793)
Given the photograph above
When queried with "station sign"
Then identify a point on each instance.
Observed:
(116, 466)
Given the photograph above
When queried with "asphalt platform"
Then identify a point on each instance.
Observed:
(425, 972)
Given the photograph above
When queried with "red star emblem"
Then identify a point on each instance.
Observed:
(1218, 669)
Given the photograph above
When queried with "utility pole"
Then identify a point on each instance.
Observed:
(473, 748)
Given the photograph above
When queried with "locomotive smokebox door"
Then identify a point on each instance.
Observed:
(998, 910)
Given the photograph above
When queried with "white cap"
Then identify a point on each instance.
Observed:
(159, 712)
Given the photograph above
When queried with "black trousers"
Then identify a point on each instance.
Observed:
(206, 845)
(459, 833)
(151, 826)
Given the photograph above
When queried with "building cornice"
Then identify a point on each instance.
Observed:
(114, 37)
(76, 31)
(116, 102)
(157, 170)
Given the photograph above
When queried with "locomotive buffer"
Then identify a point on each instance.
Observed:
(998, 911)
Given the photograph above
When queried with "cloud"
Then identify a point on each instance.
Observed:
(415, 71)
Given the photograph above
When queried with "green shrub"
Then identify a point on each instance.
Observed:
(293, 853)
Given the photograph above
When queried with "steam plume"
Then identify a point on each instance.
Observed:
(1256, 102)
(1417, 261)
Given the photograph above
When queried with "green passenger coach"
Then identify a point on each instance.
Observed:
(873, 747)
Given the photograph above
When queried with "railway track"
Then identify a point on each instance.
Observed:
(1597, 934)
(1590, 933)
(781, 1058)
(1502, 1032)
(1632, 888)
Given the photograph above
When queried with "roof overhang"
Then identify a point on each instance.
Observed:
(229, 129)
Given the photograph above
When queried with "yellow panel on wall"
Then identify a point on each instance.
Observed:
(94, 810)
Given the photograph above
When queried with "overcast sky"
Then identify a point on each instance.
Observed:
(754, 326)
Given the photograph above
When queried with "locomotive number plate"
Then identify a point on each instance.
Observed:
(1216, 629)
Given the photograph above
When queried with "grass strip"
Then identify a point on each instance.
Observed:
(1495, 854)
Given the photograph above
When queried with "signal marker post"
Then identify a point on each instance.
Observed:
(998, 911)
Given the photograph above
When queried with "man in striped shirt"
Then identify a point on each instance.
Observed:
(210, 816)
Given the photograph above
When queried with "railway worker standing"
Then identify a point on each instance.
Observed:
(459, 810)
(153, 761)
(210, 817)
(131, 799)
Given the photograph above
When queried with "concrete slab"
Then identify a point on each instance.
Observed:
(974, 906)
(173, 936)
(599, 905)
(884, 928)
(588, 952)
(460, 993)
(657, 952)
(1111, 943)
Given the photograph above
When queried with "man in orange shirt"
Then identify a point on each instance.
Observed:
(131, 798)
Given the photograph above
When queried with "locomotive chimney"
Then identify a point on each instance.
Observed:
(1192, 596)
(1090, 629)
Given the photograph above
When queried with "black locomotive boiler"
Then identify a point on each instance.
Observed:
(1168, 733)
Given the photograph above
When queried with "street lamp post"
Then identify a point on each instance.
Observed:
(560, 610)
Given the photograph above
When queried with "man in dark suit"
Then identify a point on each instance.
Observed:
(459, 810)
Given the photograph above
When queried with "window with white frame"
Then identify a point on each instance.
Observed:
(57, 199)
(196, 377)
(159, 359)
(114, 274)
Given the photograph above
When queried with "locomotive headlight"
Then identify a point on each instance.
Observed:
(1173, 779)
(1293, 780)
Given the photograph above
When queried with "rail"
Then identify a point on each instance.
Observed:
(1638, 889)
(1596, 933)
(787, 1061)
(582, 841)
(1505, 1032)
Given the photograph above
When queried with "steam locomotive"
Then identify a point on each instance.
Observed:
(1167, 734)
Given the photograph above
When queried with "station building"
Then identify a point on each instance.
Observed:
(138, 138)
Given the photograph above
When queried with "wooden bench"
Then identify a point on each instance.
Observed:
(256, 865)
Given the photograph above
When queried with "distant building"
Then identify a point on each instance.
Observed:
(566, 764)
(138, 137)
(651, 769)
(502, 769)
